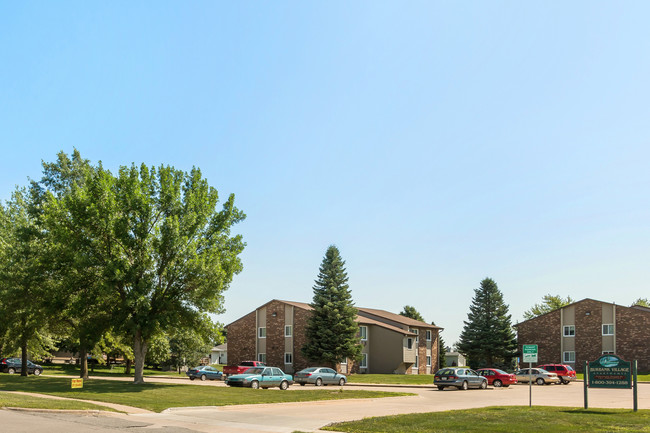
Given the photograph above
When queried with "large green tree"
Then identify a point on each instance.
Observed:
(488, 339)
(332, 332)
(549, 303)
(167, 250)
(25, 278)
(644, 302)
(410, 312)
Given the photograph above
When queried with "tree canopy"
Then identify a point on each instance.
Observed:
(412, 313)
(549, 303)
(332, 332)
(644, 302)
(488, 339)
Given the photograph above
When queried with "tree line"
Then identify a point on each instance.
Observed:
(132, 261)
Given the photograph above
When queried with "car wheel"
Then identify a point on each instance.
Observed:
(539, 381)
(497, 383)
(484, 384)
(192, 377)
(440, 387)
(465, 386)
(284, 385)
(341, 382)
(302, 384)
(37, 372)
(203, 377)
(255, 384)
(11, 370)
(319, 382)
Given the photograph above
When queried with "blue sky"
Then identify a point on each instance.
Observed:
(435, 143)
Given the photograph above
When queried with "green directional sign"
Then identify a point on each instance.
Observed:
(610, 371)
(530, 353)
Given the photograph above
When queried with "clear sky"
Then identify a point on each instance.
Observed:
(436, 143)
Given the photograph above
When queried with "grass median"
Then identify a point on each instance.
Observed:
(392, 379)
(31, 402)
(160, 396)
(514, 419)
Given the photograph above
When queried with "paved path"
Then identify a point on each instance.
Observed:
(309, 416)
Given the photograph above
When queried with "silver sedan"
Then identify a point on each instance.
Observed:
(319, 376)
(538, 376)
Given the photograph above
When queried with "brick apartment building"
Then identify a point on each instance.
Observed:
(587, 329)
(275, 333)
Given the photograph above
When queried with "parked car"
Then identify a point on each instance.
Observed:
(229, 370)
(261, 377)
(461, 378)
(498, 378)
(319, 376)
(204, 372)
(539, 376)
(564, 372)
(14, 365)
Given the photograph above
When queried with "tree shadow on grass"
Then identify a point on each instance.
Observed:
(59, 385)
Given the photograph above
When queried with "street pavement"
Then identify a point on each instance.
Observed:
(310, 416)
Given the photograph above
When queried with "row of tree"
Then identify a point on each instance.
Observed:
(139, 257)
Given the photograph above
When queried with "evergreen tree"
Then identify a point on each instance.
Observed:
(411, 313)
(487, 338)
(332, 332)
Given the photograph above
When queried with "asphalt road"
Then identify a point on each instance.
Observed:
(309, 416)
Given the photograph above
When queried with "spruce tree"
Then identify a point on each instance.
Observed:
(487, 338)
(332, 332)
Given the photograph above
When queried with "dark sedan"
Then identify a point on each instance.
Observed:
(204, 372)
(14, 365)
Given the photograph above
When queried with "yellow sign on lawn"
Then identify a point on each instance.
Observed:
(77, 383)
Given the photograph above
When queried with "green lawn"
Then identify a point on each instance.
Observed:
(513, 419)
(101, 370)
(160, 396)
(28, 401)
(392, 379)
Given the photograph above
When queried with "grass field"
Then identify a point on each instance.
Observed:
(28, 401)
(505, 420)
(101, 370)
(392, 379)
(159, 396)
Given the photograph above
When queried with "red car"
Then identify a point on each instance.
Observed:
(498, 378)
(565, 372)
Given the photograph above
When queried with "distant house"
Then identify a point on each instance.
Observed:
(275, 333)
(587, 329)
(454, 359)
(219, 354)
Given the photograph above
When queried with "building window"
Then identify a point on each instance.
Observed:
(364, 361)
(428, 361)
(344, 362)
(608, 329)
(261, 357)
(288, 331)
(607, 352)
(416, 332)
(569, 331)
(363, 332)
(409, 343)
(569, 357)
(261, 332)
(428, 335)
(416, 364)
(288, 358)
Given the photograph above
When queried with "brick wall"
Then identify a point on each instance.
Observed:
(589, 331)
(545, 332)
(633, 336)
(242, 339)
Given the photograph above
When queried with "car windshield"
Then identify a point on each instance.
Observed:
(568, 367)
(254, 370)
(447, 372)
(500, 371)
(541, 370)
(309, 370)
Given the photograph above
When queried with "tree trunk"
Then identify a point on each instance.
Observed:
(83, 362)
(127, 366)
(139, 351)
(23, 364)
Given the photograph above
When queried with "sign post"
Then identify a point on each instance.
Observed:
(530, 356)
